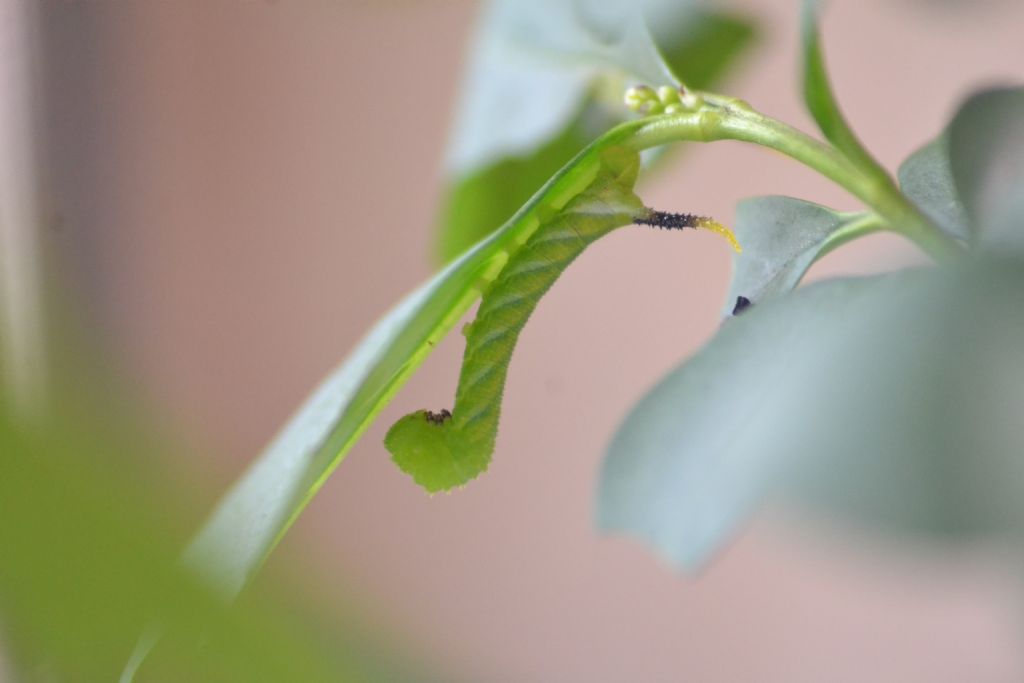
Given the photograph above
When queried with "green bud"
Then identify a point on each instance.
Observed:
(642, 99)
(668, 95)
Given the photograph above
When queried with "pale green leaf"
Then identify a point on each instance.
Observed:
(986, 148)
(894, 398)
(781, 238)
(927, 179)
(970, 177)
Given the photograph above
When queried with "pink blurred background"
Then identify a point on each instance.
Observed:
(242, 187)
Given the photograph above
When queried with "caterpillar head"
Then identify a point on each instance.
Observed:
(421, 445)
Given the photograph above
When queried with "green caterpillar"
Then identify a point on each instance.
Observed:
(445, 449)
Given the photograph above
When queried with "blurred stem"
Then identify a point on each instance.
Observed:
(22, 359)
(722, 118)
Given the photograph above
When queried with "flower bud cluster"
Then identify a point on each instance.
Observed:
(665, 100)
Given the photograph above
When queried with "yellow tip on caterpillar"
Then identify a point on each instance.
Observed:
(715, 226)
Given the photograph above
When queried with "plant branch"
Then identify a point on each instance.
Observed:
(721, 118)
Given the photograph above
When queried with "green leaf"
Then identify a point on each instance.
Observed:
(701, 47)
(481, 199)
(969, 179)
(892, 398)
(781, 238)
(986, 147)
(926, 177)
(821, 101)
(544, 78)
(89, 535)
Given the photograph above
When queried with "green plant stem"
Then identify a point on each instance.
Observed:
(726, 119)
(865, 225)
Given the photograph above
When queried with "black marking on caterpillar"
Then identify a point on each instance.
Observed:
(670, 221)
(437, 418)
(742, 304)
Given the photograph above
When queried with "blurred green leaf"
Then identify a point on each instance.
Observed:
(986, 149)
(927, 179)
(969, 179)
(485, 198)
(80, 567)
(820, 99)
(781, 238)
(703, 46)
(931, 442)
(89, 541)
(894, 399)
(686, 466)
(545, 78)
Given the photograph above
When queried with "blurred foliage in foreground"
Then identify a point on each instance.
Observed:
(90, 538)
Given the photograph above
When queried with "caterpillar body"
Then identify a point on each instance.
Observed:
(443, 450)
